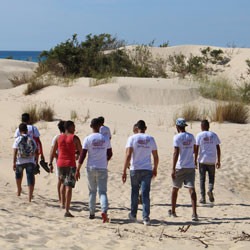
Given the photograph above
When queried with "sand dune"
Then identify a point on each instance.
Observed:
(41, 225)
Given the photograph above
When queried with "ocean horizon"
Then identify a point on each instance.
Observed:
(28, 56)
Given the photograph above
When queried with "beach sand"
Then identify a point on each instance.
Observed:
(41, 224)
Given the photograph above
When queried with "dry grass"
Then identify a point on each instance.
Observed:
(232, 112)
(35, 85)
(190, 113)
(43, 112)
(93, 82)
(21, 79)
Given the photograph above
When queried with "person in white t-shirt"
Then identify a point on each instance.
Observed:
(139, 148)
(26, 161)
(99, 151)
(208, 153)
(183, 166)
(104, 130)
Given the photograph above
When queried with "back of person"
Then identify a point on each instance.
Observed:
(97, 145)
(142, 145)
(105, 131)
(66, 146)
(32, 131)
(185, 142)
(207, 142)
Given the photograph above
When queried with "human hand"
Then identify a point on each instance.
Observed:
(218, 165)
(124, 177)
(77, 175)
(173, 174)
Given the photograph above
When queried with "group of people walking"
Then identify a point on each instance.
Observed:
(189, 153)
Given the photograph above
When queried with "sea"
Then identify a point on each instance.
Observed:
(28, 56)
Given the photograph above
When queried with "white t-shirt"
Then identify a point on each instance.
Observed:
(20, 160)
(104, 130)
(143, 145)
(185, 142)
(97, 146)
(32, 131)
(207, 142)
(52, 144)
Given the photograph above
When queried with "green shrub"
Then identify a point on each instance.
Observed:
(244, 92)
(232, 112)
(218, 89)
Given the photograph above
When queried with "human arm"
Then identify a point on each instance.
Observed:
(52, 155)
(14, 158)
(128, 155)
(218, 156)
(175, 159)
(80, 162)
(156, 162)
(109, 153)
(196, 151)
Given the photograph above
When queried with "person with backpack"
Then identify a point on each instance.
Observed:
(24, 157)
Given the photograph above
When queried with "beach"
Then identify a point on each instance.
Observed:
(123, 101)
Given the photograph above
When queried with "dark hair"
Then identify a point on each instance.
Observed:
(25, 117)
(68, 125)
(205, 123)
(101, 119)
(95, 123)
(23, 127)
(141, 125)
(60, 126)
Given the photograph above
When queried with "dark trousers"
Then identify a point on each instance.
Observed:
(203, 168)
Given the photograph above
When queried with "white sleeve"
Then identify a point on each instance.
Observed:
(129, 142)
(85, 143)
(17, 133)
(153, 144)
(54, 141)
(15, 144)
(175, 142)
(35, 132)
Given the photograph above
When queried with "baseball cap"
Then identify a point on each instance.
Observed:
(181, 122)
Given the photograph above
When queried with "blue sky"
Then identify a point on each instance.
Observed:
(41, 24)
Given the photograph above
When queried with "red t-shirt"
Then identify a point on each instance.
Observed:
(66, 147)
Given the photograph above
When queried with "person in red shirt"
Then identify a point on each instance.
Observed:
(67, 144)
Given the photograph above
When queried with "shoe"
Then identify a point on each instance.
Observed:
(195, 217)
(211, 196)
(36, 169)
(105, 218)
(68, 214)
(45, 166)
(146, 222)
(131, 217)
(171, 214)
(91, 216)
(203, 200)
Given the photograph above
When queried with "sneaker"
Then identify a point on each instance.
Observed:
(203, 200)
(68, 214)
(171, 214)
(105, 217)
(195, 217)
(211, 196)
(131, 217)
(146, 222)
(91, 216)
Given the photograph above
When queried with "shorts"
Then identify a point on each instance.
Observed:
(29, 167)
(67, 176)
(186, 176)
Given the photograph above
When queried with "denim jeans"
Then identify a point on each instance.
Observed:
(97, 180)
(203, 168)
(140, 179)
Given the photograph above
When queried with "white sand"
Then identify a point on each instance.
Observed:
(41, 225)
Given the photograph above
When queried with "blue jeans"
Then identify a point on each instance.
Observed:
(140, 179)
(97, 180)
(203, 168)
(29, 167)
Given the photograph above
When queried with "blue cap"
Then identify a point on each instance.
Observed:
(181, 122)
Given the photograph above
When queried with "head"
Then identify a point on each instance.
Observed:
(101, 120)
(141, 125)
(180, 124)
(204, 125)
(135, 129)
(95, 124)
(69, 127)
(25, 118)
(23, 129)
(60, 126)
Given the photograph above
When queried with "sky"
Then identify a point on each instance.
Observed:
(42, 24)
